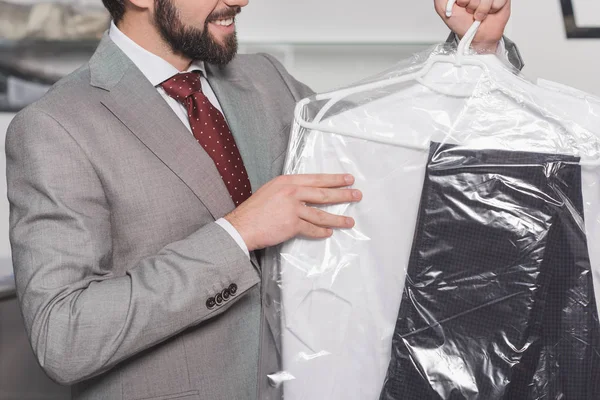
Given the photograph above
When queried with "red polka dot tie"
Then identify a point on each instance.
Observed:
(212, 132)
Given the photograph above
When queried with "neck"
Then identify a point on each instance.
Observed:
(146, 35)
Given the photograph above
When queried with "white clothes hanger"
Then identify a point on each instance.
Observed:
(449, 8)
(461, 58)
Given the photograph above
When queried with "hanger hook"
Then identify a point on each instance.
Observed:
(449, 8)
(465, 43)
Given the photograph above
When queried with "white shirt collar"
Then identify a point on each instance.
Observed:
(154, 68)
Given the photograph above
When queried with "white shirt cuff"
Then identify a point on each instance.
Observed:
(223, 223)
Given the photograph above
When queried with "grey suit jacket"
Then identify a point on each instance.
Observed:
(114, 243)
(112, 229)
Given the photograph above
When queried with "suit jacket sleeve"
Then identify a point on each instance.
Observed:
(80, 317)
(514, 56)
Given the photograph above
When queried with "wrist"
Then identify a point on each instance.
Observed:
(485, 47)
(233, 219)
(481, 46)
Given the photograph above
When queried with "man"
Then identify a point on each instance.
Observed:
(134, 225)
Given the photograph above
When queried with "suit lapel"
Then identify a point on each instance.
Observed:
(139, 106)
(247, 120)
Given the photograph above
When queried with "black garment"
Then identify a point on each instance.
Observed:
(498, 302)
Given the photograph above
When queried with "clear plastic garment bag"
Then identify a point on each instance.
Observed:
(468, 274)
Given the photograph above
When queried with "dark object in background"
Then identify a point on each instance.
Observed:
(29, 68)
(499, 302)
(16, 93)
(42, 42)
(54, 20)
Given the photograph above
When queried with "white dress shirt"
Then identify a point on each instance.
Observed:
(340, 297)
(158, 70)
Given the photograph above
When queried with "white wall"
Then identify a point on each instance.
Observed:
(538, 28)
(331, 43)
(317, 21)
(587, 12)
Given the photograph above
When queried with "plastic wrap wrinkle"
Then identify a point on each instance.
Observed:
(468, 274)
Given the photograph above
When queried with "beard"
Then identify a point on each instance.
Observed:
(193, 43)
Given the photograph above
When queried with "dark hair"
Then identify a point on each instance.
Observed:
(116, 8)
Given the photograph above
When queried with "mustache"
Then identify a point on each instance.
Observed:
(226, 13)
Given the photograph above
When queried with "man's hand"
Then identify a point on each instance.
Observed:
(493, 13)
(279, 210)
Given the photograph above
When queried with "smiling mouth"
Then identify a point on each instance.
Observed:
(224, 22)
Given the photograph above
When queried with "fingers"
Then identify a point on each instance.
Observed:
(318, 189)
(314, 195)
(472, 6)
(319, 180)
(481, 8)
(324, 219)
(311, 231)
(482, 11)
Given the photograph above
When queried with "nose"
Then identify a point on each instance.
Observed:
(234, 3)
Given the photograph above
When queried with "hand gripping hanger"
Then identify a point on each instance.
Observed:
(459, 59)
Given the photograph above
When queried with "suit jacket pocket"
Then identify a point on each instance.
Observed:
(189, 395)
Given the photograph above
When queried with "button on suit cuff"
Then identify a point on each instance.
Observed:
(235, 235)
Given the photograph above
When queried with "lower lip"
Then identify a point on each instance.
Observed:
(224, 29)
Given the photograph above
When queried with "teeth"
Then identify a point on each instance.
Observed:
(224, 22)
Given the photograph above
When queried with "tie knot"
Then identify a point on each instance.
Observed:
(182, 85)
